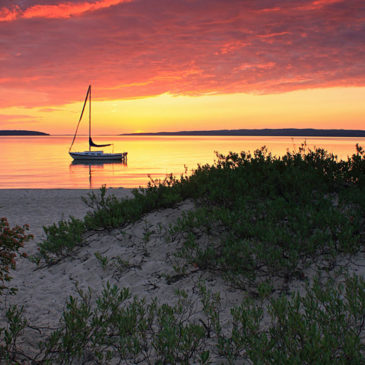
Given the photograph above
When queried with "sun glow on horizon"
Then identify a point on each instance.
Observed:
(327, 108)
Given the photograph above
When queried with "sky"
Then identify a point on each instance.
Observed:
(169, 65)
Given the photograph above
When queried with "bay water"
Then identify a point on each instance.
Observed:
(44, 162)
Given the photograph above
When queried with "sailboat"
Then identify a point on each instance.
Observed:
(93, 155)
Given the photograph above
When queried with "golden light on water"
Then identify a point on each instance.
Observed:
(44, 162)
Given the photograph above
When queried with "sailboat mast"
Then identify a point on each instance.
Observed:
(89, 116)
(82, 113)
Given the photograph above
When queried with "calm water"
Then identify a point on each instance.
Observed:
(44, 162)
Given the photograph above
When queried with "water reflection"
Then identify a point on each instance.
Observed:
(43, 162)
(97, 169)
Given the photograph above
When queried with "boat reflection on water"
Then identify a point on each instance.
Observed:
(107, 172)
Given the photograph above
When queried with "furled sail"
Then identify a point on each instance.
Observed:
(92, 144)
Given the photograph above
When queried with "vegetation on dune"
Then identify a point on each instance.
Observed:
(258, 219)
(261, 215)
(12, 240)
(324, 326)
(269, 217)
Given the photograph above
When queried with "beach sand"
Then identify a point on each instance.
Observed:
(42, 207)
(139, 257)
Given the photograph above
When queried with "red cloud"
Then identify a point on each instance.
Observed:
(7, 15)
(62, 10)
(147, 47)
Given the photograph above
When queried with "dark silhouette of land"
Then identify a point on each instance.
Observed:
(21, 133)
(289, 132)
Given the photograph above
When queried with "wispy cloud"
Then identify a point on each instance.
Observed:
(58, 10)
(8, 117)
(50, 110)
(8, 121)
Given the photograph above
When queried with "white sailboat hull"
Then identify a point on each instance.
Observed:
(98, 156)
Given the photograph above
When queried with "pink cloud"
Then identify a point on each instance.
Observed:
(319, 4)
(232, 46)
(272, 35)
(52, 50)
(61, 10)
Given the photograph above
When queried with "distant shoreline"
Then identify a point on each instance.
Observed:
(287, 132)
(21, 133)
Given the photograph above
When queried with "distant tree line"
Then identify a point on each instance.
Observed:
(21, 133)
(290, 132)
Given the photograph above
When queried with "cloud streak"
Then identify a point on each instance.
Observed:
(51, 51)
(56, 11)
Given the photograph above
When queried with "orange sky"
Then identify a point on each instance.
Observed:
(165, 65)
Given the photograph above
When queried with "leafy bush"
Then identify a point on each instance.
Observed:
(11, 241)
(9, 335)
(262, 216)
(107, 212)
(325, 326)
(61, 239)
(124, 328)
(110, 212)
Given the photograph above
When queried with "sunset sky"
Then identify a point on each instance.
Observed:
(169, 65)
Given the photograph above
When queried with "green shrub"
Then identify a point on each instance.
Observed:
(325, 326)
(9, 335)
(61, 239)
(262, 216)
(110, 212)
(126, 328)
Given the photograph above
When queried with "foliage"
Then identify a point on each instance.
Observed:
(258, 217)
(11, 241)
(61, 239)
(110, 212)
(324, 326)
(102, 259)
(262, 216)
(262, 213)
(9, 335)
(126, 328)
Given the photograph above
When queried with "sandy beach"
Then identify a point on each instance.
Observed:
(41, 207)
(139, 257)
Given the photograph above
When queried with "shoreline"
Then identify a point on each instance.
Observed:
(262, 132)
(42, 207)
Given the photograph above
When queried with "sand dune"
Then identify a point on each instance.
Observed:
(139, 257)
(134, 262)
